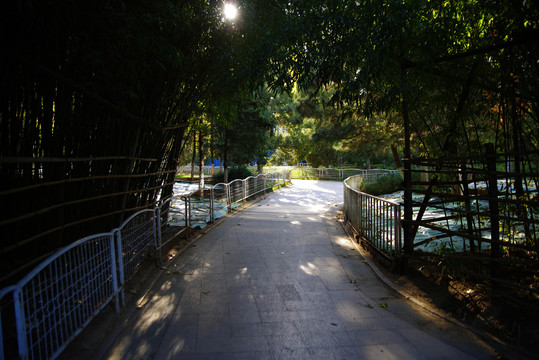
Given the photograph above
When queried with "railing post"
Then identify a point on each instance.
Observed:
(121, 276)
(360, 214)
(113, 271)
(20, 321)
(228, 198)
(397, 229)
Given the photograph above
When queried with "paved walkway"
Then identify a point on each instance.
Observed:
(281, 280)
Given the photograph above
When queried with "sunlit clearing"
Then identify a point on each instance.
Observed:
(230, 11)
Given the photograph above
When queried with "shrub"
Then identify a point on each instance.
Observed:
(384, 185)
(236, 172)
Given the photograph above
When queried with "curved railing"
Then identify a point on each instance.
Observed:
(377, 221)
(341, 174)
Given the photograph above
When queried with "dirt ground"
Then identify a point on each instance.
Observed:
(502, 314)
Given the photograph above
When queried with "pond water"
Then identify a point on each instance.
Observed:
(200, 208)
(441, 242)
(200, 215)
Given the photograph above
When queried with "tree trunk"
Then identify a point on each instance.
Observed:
(200, 160)
(211, 151)
(397, 160)
(194, 155)
(225, 158)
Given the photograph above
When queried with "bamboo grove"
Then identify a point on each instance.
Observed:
(96, 100)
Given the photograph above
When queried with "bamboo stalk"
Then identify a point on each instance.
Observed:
(69, 181)
(22, 159)
(65, 226)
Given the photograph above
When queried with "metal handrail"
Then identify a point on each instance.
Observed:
(376, 220)
(58, 298)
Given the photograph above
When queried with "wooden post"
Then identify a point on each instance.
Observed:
(493, 208)
(408, 246)
(194, 154)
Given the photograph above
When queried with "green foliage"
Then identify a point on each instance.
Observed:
(243, 127)
(236, 172)
(451, 60)
(384, 185)
(314, 128)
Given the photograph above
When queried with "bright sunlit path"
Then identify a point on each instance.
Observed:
(230, 11)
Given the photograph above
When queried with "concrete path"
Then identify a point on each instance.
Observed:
(281, 280)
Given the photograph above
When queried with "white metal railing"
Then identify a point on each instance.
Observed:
(341, 174)
(203, 206)
(135, 239)
(58, 298)
(376, 220)
(53, 303)
(186, 169)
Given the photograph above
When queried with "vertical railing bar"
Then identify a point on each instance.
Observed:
(360, 209)
(372, 218)
(397, 229)
(381, 225)
(386, 220)
(113, 270)
(377, 220)
(121, 279)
